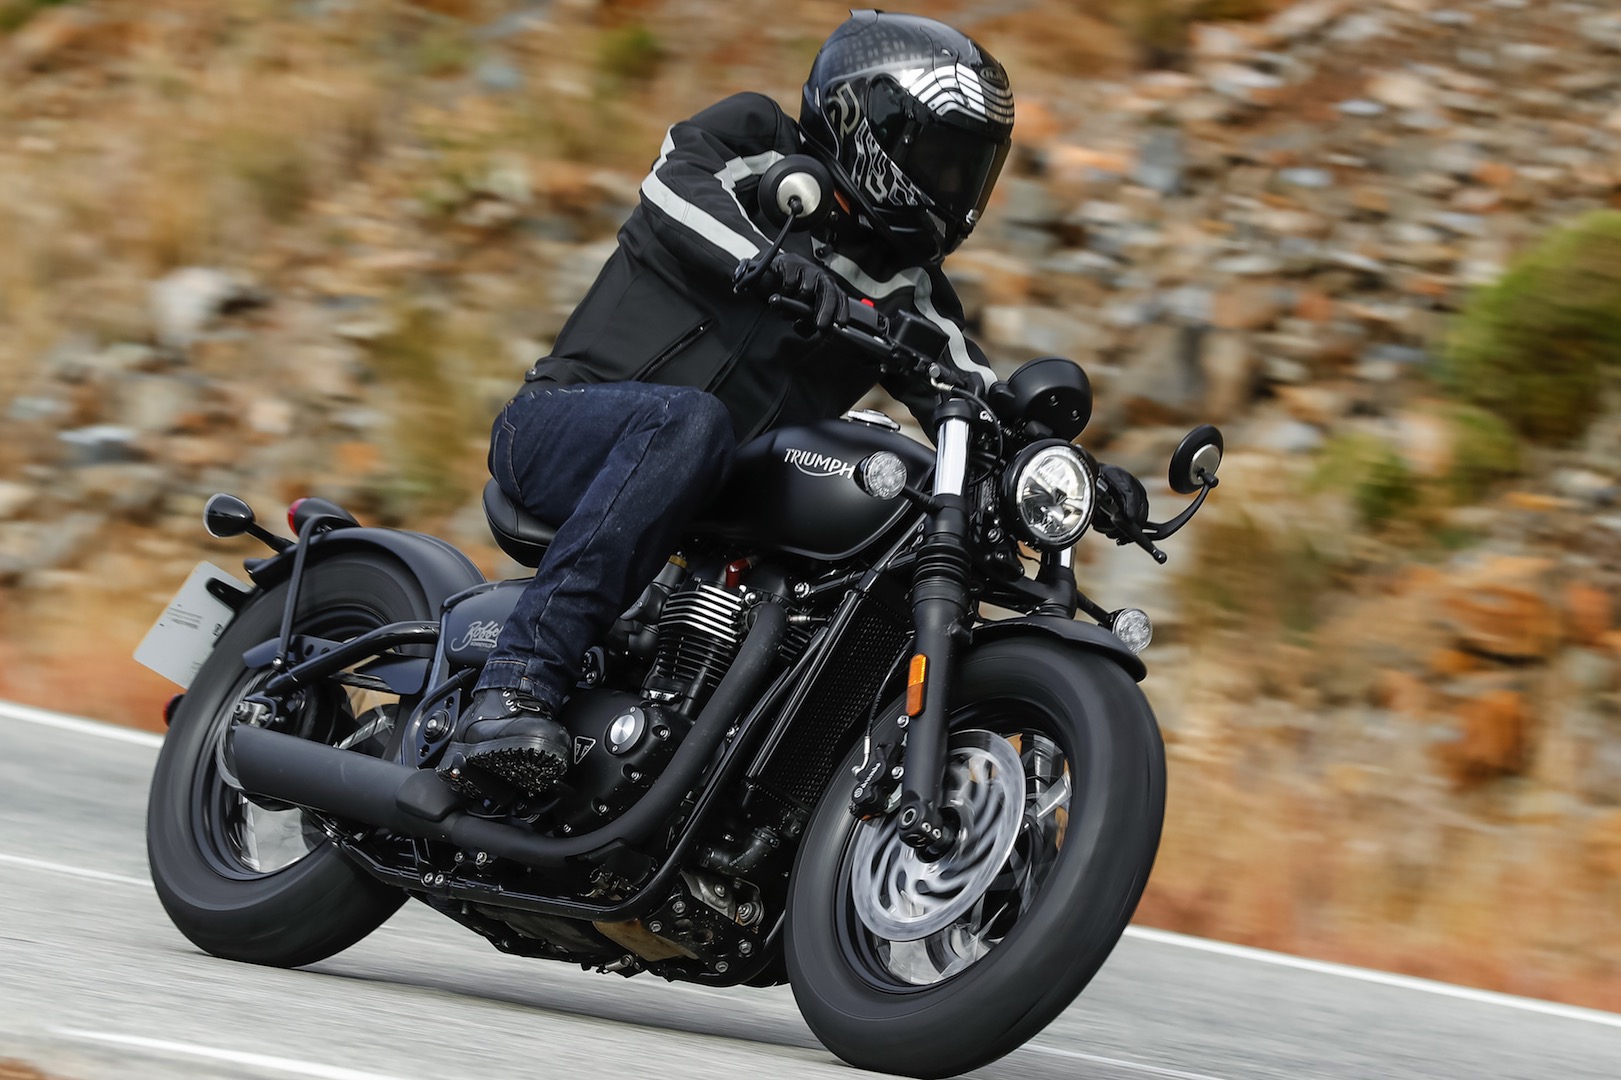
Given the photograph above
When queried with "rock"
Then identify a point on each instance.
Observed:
(1163, 383)
(1491, 737)
(1589, 613)
(1221, 42)
(1317, 404)
(1424, 441)
(1285, 437)
(1361, 107)
(498, 75)
(1403, 693)
(1401, 90)
(1359, 27)
(127, 488)
(1246, 84)
(271, 416)
(55, 35)
(1587, 486)
(1161, 161)
(1027, 202)
(155, 403)
(1249, 306)
(1500, 608)
(1303, 19)
(14, 499)
(100, 443)
(1315, 179)
(1255, 264)
(185, 301)
(1036, 331)
(1230, 369)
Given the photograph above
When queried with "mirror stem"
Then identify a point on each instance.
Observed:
(1160, 530)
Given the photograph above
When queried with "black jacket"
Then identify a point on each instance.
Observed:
(663, 311)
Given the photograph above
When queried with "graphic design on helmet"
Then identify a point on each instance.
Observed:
(916, 121)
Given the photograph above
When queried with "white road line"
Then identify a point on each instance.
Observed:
(1137, 1066)
(235, 1057)
(74, 871)
(29, 715)
(1380, 978)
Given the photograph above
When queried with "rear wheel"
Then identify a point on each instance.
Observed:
(256, 881)
(1055, 770)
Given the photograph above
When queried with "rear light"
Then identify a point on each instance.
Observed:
(292, 514)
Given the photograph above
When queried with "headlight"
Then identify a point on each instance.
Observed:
(1049, 493)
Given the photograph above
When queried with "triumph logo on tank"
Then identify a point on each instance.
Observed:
(813, 464)
(480, 635)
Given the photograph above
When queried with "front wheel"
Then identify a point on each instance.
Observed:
(1056, 773)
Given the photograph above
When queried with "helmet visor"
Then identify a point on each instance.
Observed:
(954, 166)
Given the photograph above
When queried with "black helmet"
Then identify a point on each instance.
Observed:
(916, 121)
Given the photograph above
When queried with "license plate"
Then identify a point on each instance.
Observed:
(185, 633)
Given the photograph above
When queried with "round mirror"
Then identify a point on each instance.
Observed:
(1196, 459)
(798, 186)
(225, 516)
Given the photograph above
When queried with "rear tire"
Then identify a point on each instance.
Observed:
(217, 889)
(986, 989)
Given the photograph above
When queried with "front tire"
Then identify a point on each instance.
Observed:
(257, 884)
(1019, 950)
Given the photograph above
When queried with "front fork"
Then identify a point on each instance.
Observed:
(941, 622)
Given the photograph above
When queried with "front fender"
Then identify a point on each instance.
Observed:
(438, 567)
(1081, 635)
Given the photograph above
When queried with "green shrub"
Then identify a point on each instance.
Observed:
(629, 54)
(1382, 487)
(13, 13)
(1484, 450)
(1532, 348)
(1263, 579)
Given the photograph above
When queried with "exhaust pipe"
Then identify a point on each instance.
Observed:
(397, 797)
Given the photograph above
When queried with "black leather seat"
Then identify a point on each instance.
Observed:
(519, 533)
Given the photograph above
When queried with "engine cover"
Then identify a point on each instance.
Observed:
(621, 744)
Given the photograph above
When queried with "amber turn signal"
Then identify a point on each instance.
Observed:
(914, 684)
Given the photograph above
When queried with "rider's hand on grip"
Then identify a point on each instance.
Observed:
(1128, 501)
(802, 279)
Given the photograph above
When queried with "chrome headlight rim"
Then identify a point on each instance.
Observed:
(1034, 456)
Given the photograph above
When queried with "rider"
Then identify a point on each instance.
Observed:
(629, 426)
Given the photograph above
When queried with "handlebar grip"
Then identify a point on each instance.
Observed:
(790, 305)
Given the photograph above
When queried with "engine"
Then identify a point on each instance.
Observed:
(688, 632)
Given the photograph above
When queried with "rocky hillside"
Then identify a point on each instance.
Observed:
(300, 249)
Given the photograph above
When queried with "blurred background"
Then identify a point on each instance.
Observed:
(285, 248)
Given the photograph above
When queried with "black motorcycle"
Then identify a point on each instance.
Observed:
(805, 755)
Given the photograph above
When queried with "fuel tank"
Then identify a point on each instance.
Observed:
(794, 489)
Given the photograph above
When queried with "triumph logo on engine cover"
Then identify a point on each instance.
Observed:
(813, 464)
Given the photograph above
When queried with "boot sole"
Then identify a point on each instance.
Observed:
(525, 761)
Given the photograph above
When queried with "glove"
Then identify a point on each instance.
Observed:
(1129, 504)
(811, 283)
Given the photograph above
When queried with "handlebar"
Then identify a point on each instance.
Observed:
(862, 326)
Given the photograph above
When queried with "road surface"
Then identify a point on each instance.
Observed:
(95, 984)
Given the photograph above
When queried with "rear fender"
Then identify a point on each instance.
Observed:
(438, 567)
(1078, 635)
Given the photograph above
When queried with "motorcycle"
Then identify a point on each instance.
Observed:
(806, 754)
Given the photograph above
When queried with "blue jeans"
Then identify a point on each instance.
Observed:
(620, 469)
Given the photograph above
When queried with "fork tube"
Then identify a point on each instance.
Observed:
(939, 610)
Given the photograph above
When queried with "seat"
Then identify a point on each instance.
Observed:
(519, 533)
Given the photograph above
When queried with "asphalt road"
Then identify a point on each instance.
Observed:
(96, 984)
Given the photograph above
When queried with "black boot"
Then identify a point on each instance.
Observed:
(511, 735)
